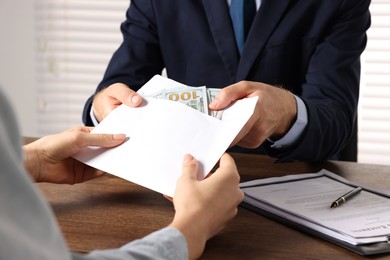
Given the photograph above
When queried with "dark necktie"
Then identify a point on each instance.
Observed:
(242, 13)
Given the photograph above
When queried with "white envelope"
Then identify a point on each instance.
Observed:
(160, 133)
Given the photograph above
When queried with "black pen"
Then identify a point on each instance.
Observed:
(343, 199)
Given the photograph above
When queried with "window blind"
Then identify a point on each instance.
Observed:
(374, 103)
(74, 42)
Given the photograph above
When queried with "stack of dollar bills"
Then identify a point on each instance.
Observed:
(198, 98)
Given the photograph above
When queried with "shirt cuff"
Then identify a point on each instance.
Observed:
(296, 130)
(93, 118)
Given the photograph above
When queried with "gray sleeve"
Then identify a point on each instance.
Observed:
(28, 228)
(167, 243)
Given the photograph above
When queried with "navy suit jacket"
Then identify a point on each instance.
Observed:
(310, 47)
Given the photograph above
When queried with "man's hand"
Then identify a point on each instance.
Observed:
(275, 111)
(113, 96)
(49, 159)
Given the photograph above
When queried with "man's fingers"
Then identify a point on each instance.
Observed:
(111, 97)
(125, 95)
(230, 94)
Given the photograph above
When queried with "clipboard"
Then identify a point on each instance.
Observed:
(309, 225)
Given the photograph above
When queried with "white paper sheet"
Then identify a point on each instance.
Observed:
(160, 133)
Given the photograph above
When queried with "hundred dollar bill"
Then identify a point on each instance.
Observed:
(195, 97)
(198, 98)
(160, 94)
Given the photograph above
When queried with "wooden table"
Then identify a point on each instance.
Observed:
(108, 212)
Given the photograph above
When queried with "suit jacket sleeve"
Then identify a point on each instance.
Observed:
(137, 59)
(331, 87)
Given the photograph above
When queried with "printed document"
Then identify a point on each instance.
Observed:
(306, 199)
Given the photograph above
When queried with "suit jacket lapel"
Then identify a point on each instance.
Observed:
(220, 25)
(265, 21)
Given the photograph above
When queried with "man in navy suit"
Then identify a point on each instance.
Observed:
(301, 57)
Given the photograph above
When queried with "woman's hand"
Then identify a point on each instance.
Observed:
(49, 159)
